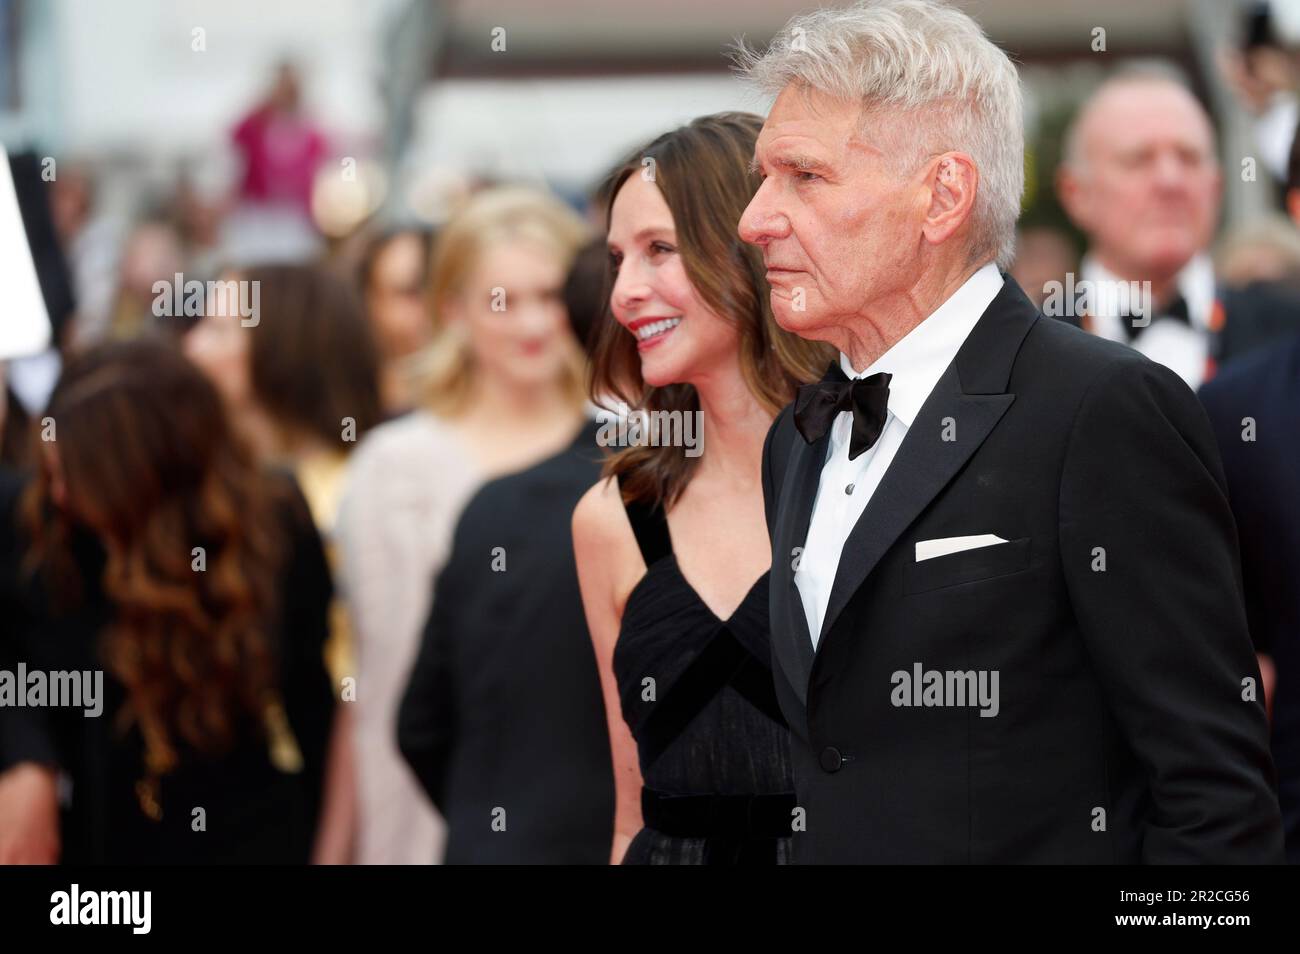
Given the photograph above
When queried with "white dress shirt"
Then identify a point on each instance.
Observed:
(916, 361)
(1184, 349)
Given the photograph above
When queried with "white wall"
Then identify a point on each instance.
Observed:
(129, 79)
(565, 132)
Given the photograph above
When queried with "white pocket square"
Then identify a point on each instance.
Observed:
(929, 549)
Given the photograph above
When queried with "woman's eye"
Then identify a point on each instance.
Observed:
(660, 247)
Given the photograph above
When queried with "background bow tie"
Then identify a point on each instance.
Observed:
(816, 405)
(1176, 309)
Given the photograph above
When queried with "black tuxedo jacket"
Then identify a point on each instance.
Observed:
(1113, 619)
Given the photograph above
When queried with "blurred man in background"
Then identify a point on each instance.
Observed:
(1140, 178)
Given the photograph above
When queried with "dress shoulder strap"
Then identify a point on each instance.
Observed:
(650, 526)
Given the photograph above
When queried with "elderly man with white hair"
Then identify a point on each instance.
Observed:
(1005, 611)
(1140, 177)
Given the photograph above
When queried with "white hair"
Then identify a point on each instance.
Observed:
(916, 56)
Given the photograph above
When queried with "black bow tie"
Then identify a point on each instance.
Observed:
(816, 405)
(1176, 309)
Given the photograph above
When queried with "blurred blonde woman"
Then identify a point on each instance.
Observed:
(503, 389)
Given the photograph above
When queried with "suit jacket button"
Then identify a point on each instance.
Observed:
(831, 759)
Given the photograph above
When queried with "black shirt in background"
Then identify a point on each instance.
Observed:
(503, 718)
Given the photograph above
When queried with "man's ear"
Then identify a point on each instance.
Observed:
(954, 181)
(1216, 191)
(1070, 192)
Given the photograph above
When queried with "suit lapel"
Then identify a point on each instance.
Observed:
(972, 393)
(792, 642)
(922, 467)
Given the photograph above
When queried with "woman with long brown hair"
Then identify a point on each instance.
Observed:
(163, 557)
(302, 387)
(672, 545)
(393, 276)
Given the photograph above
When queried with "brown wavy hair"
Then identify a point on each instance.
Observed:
(313, 360)
(150, 466)
(703, 171)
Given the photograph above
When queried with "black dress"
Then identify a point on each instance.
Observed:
(503, 719)
(697, 693)
(253, 812)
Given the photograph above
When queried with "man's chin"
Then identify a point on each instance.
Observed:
(796, 321)
(1168, 256)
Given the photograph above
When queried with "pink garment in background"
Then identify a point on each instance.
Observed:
(281, 154)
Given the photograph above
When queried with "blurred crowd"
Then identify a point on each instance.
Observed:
(373, 460)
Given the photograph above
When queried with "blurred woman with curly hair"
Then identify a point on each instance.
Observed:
(162, 555)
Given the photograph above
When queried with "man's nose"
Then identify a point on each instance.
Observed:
(1172, 171)
(762, 221)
